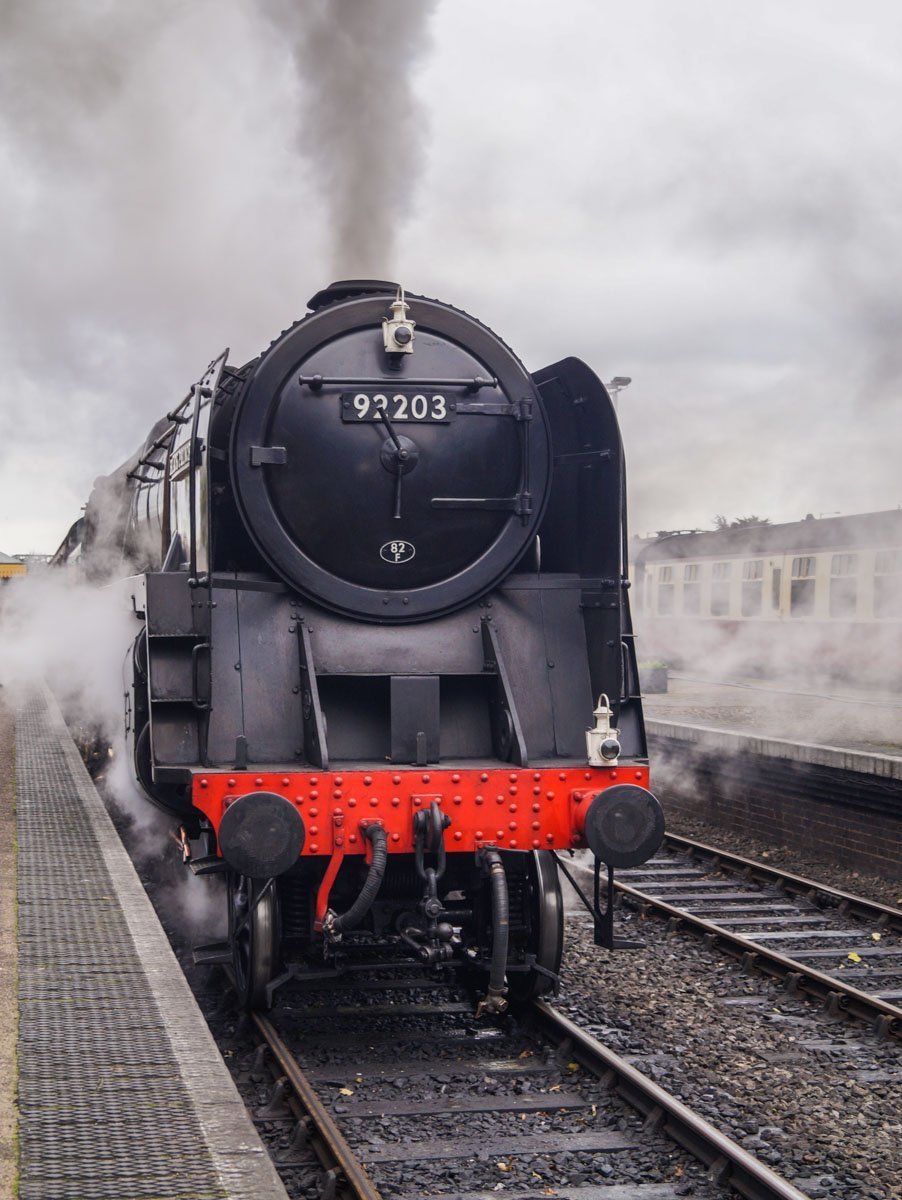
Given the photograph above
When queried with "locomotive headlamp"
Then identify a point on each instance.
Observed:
(624, 825)
(397, 330)
(602, 744)
(261, 835)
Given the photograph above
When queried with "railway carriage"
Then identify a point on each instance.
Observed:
(819, 597)
(384, 668)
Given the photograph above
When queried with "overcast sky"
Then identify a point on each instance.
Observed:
(706, 196)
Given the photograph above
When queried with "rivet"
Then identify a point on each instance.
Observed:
(258, 782)
(575, 839)
(203, 783)
(536, 843)
(314, 812)
(579, 798)
(313, 794)
(228, 802)
(638, 774)
(512, 790)
(512, 824)
(374, 801)
(512, 807)
(479, 835)
(537, 808)
(513, 842)
(458, 799)
(313, 781)
(537, 791)
(457, 835)
(455, 778)
(562, 777)
(549, 795)
(513, 777)
(536, 826)
(352, 837)
(536, 777)
(417, 801)
(613, 774)
(396, 779)
(480, 800)
(285, 781)
(395, 801)
(313, 847)
(352, 803)
(337, 794)
(549, 837)
(499, 799)
(484, 777)
(338, 781)
(588, 775)
(367, 780)
(396, 837)
(425, 778)
(314, 830)
(500, 834)
(231, 783)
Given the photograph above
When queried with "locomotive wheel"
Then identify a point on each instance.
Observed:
(253, 937)
(545, 907)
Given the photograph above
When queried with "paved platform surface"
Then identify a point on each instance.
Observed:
(122, 1092)
(849, 729)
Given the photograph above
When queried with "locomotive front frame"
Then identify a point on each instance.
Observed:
(326, 740)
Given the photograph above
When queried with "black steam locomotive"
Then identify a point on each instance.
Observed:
(385, 665)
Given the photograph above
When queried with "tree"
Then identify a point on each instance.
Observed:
(721, 522)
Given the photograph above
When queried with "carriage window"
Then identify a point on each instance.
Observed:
(752, 587)
(888, 583)
(720, 589)
(692, 598)
(665, 591)
(776, 585)
(843, 585)
(801, 592)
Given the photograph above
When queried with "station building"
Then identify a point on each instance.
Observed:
(10, 567)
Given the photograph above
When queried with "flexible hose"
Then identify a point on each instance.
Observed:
(364, 902)
(500, 924)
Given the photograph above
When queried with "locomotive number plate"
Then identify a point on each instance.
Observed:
(405, 408)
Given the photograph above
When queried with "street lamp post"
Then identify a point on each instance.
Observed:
(616, 386)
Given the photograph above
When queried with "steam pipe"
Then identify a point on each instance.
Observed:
(364, 902)
(494, 999)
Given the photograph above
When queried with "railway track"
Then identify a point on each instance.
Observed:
(826, 944)
(402, 1096)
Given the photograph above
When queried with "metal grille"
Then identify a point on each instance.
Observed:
(104, 1111)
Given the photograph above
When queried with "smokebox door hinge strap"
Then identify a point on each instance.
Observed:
(268, 456)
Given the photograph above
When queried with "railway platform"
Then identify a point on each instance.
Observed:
(815, 771)
(121, 1089)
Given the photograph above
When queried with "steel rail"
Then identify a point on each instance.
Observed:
(345, 1158)
(840, 997)
(884, 915)
(726, 1161)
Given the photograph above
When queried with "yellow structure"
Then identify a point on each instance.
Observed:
(11, 567)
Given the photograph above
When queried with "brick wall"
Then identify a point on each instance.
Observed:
(854, 820)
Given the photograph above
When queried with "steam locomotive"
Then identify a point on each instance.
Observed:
(385, 670)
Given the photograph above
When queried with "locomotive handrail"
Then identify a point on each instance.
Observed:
(317, 382)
